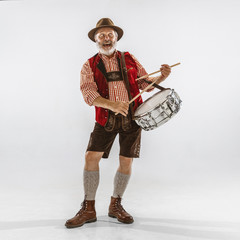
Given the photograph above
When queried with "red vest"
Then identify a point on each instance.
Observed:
(97, 65)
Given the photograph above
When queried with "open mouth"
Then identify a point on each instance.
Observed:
(107, 45)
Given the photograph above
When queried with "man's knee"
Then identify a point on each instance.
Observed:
(92, 158)
(125, 162)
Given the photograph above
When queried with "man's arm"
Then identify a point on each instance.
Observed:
(165, 71)
(88, 86)
(117, 107)
(92, 96)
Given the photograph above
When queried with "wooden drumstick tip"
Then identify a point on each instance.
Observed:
(175, 64)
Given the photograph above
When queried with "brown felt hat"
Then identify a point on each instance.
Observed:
(105, 22)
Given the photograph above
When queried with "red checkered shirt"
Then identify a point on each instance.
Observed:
(117, 89)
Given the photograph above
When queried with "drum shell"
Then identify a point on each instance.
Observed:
(158, 109)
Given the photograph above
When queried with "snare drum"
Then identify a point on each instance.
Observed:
(157, 109)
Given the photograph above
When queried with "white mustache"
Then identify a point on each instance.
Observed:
(107, 52)
(109, 42)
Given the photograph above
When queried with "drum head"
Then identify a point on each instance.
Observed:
(152, 102)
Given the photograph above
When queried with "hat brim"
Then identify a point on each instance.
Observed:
(117, 29)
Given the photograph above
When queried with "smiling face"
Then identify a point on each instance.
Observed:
(106, 40)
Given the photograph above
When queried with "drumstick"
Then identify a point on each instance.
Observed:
(142, 92)
(155, 72)
(145, 89)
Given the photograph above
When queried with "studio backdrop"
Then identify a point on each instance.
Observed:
(45, 123)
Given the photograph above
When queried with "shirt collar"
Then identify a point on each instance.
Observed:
(106, 58)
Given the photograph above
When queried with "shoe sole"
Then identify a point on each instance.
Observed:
(75, 226)
(112, 216)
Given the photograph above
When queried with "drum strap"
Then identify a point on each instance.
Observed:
(125, 79)
(155, 85)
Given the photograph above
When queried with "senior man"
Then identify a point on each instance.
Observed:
(108, 82)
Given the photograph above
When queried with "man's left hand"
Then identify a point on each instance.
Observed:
(165, 70)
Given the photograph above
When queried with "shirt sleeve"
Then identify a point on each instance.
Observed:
(141, 72)
(88, 86)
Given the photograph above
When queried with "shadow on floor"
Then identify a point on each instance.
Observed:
(185, 228)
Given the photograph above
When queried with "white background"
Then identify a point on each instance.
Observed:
(191, 161)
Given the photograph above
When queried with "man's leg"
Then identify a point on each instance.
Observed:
(91, 180)
(120, 184)
(91, 174)
(122, 176)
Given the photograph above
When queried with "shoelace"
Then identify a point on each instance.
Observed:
(119, 205)
(83, 205)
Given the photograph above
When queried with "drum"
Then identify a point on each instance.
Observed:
(157, 109)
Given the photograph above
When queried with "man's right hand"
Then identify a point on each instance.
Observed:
(120, 107)
(117, 107)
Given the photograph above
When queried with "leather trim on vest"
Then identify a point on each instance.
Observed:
(102, 114)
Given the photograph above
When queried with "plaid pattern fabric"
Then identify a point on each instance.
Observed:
(117, 89)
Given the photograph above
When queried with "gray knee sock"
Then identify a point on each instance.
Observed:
(90, 181)
(120, 184)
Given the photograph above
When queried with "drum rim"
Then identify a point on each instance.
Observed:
(138, 116)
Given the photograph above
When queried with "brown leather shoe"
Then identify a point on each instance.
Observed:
(86, 214)
(116, 210)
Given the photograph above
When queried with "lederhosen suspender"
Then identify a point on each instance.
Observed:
(126, 82)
